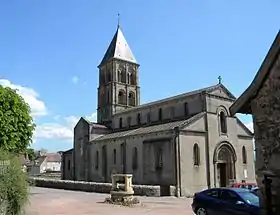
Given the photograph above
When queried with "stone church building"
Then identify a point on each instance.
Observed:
(189, 140)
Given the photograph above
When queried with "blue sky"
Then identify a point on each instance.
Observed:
(50, 51)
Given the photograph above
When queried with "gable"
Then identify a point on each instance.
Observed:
(197, 124)
(242, 129)
(81, 124)
(223, 92)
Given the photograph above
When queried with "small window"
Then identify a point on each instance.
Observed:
(139, 119)
(223, 122)
(159, 159)
(186, 109)
(196, 155)
(244, 155)
(120, 123)
(69, 165)
(129, 121)
(96, 160)
(148, 118)
(159, 114)
(135, 159)
(115, 156)
(172, 112)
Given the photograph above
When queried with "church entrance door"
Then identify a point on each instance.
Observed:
(224, 163)
(223, 174)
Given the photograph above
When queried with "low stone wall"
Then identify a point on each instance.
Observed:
(139, 190)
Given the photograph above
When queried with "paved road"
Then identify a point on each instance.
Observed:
(45, 201)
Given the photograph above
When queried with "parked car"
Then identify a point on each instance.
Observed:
(244, 185)
(226, 201)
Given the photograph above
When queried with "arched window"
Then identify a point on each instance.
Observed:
(159, 159)
(138, 119)
(196, 155)
(128, 78)
(120, 123)
(115, 156)
(129, 121)
(133, 78)
(135, 159)
(223, 122)
(186, 108)
(148, 118)
(131, 99)
(119, 76)
(123, 79)
(121, 97)
(96, 160)
(159, 114)
(172, 112)
(244, 155)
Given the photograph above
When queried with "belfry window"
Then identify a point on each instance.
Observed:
(131, 99)
(121, 97)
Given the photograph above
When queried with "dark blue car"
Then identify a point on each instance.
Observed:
(226, 201)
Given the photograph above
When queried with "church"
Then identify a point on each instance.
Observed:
(189, 141)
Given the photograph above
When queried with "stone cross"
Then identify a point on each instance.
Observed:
(220, 79)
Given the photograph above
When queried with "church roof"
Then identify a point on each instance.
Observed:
(242, 104)
(147, 129)
(178, 97)
(119, 49)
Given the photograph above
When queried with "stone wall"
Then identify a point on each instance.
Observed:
(139, 190)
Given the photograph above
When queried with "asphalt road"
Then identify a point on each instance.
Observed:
(44, 201)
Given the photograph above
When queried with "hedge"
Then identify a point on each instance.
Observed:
(139, 190)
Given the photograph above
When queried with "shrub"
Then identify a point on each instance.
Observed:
(13, 185)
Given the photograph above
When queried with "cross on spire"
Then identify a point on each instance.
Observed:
(220, 79)
(118, 20)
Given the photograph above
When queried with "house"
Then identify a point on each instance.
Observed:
(46, 162)
(262, 100)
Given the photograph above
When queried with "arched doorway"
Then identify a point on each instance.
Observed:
(224, 164)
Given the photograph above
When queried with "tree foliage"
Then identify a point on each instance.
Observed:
(16, 123)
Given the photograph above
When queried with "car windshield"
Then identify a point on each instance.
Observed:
(250, 198)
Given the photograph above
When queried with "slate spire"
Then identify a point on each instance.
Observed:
(118, 49)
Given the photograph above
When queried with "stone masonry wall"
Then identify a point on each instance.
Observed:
(139, 190)
(266, 117)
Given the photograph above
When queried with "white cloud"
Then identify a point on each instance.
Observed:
(62, 129)
(53, 131)
(250, 126)
(38, 107)
(75, 79)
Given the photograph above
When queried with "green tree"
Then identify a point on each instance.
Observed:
(16, 123)
(31, 154)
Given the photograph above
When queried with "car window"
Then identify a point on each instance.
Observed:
(212, 193)
(230, 196)
(250, 198)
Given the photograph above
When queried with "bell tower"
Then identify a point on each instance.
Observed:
(118, 80)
